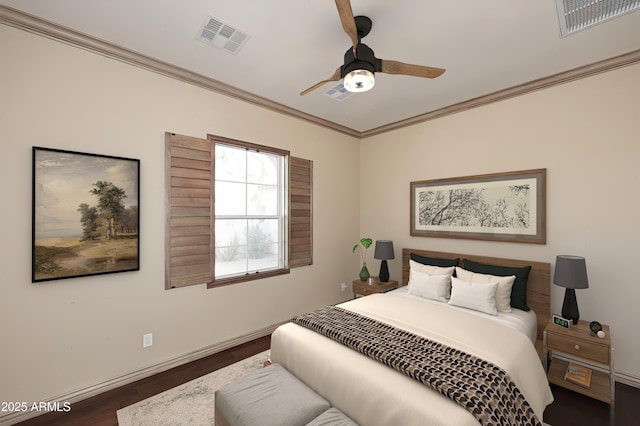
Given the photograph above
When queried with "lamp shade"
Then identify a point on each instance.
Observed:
(571, 272)
(384, 250)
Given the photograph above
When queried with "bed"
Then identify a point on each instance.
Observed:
(373, 394)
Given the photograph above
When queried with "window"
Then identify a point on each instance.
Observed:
(235, 211)
(250, 206)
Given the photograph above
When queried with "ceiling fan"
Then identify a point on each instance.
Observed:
(360, 63)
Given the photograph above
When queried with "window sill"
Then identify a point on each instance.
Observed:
(247, 277)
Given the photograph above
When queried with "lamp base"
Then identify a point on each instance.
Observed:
(384, 272)
(570, 306)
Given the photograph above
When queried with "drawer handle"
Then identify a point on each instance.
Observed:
(577, 347)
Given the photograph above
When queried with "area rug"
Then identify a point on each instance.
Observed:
(189, 404)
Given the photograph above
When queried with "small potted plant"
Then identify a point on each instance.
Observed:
(364, 244)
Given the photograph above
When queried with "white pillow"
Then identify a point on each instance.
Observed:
(479, 297)
(431, 270)
(429, 286)
(503, 293)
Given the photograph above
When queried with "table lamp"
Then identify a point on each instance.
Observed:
(571, 273)
(384, 251)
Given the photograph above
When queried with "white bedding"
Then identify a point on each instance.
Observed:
(373, 394)
(524, 321)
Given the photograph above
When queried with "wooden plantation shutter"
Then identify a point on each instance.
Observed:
(190, 216)
(300, 212)
(189, 239)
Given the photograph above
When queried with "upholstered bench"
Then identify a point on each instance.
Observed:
(273, 396)
(332, 417)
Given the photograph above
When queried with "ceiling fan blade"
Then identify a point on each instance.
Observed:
(348, 23)
(334, 77)
(395, 67)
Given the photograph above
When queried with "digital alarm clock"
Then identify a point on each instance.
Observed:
(562, 322)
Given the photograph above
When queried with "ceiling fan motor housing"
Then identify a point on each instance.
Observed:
(363, 60)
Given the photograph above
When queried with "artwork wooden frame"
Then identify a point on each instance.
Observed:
(86, 216)
(507, 206)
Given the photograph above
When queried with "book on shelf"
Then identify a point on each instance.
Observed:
(579, 375)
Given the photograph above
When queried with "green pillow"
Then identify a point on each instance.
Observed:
(519, 289)
(434, 261)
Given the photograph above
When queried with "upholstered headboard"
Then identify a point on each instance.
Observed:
(538, 292)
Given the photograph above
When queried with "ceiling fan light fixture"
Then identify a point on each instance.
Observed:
(359, 80)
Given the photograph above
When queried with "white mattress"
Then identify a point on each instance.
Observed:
(524, 321)
(373, 394)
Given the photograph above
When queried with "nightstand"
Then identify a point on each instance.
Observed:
(363, 288)
(578, 345)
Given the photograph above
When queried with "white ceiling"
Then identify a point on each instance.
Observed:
(486, 46)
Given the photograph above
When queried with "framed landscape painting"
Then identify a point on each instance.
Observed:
(85, 216)
(507, 206)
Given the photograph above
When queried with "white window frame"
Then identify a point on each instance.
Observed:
(282, 215)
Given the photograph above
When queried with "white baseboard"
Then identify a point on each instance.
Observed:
(628, 379)
(73, 397)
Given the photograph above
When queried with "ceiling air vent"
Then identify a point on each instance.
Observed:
(221, 35)
(576, 15)
(338, 92)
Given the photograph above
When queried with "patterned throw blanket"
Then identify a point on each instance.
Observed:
(481, 387)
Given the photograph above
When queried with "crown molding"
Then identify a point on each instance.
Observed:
(41, 27)
(522, 89)
(35, 25)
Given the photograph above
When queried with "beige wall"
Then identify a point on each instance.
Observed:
(586, 135)
(62, 336)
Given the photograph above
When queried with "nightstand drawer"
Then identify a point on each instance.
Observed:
(362, 288)
(579, 347)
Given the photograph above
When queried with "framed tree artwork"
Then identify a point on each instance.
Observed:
(507, 206)
(86, 216)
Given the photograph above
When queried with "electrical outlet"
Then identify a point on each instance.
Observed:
(343, 287)
(147, 340)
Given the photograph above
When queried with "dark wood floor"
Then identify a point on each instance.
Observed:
(573, 409)
(568, 409)
(100, 410)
